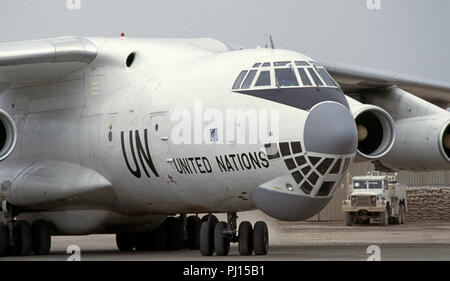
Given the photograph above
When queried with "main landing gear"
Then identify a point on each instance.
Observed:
(174, 234)
(19, 238)
(216, 236)
(207, 234)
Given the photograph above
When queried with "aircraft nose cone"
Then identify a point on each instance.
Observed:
(330, 128)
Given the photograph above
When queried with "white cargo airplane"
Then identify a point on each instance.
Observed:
(87, 142)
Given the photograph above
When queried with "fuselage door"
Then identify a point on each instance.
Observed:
(159, 142)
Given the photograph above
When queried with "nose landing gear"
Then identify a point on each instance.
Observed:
(217, 236)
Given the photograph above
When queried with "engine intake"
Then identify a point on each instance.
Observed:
(8, 135)
(376, 132)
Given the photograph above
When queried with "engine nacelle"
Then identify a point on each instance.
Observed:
(422, 143)
(376, 132)
(8, 135)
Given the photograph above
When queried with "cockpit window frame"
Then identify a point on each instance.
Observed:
(294, 66)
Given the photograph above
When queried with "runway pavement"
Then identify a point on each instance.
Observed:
(291, 242)
(106, 252)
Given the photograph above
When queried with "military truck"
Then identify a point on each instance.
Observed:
(375, 197)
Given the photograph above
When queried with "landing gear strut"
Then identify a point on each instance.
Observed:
(217, 236)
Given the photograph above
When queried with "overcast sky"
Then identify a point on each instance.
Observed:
(405, 36)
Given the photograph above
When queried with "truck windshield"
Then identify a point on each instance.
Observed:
(359, 184)
(375, 184)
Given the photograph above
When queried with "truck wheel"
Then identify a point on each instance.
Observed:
(402, 214)
(396, 220)
(384, 218)
(349, 219)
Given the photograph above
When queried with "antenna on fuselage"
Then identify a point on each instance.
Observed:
(272, 46)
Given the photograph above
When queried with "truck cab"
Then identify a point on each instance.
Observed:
(375, 197)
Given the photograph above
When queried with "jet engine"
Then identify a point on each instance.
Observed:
(8, 135)
(376, 132)
(422, 143)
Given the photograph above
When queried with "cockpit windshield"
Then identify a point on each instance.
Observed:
(281, 74)
(249, 79)
(304, 77)
(285, 77)
(326, 77)
(237, 83)
(315, 77)
(263, 79)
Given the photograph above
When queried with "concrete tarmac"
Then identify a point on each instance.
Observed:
(303, 241)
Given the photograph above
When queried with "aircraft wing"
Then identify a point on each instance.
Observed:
(358, 79)
(43, 60)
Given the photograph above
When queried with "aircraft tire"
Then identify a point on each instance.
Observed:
(24, 239)
(41, 237)
(144, 242)
(125, 242)
(260, 238)
(4, 240)
(193, 224)
(221, 242)
(206, 239)
(159, 235)
(214, 219)
(174, 227)
(245, 237)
